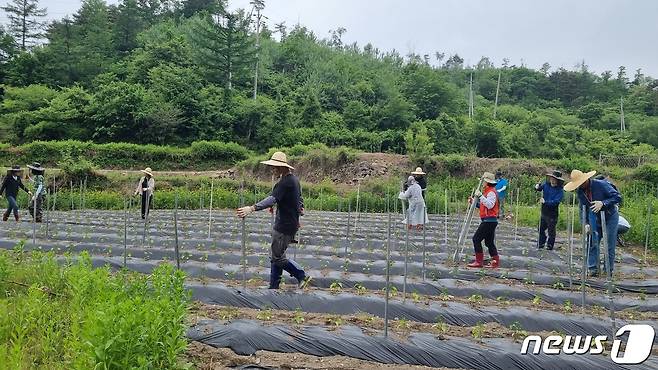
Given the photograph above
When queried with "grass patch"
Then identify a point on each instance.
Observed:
(72, 316)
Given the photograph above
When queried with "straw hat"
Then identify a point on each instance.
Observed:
(490, 178)
(418, 171)
(578, 178)
(13, 169)
(36, 166)
(278, 159)
(556, 175)
(147, 171)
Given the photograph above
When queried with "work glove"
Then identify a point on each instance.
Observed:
(401, 195)
(477, 194)
(537, 186)
(596, 206)
(542, 200)
(245, 211)
(145, 189)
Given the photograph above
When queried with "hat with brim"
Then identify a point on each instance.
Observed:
(14, 169)
(418, 171)
(490, 178)
(577, 178)
(278, 159)
(556, 175)
(36, 166)
(147, 171)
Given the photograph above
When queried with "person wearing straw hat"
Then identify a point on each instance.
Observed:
(286, 194)
(489, 205)
(419, 175)
(10, 186)
(416, 214)
(145, 189)
(39, 196)
(552, 194)
(596, 196)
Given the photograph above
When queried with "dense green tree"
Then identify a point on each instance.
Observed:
(418, 142)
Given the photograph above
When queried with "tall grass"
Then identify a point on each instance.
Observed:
(72, 316)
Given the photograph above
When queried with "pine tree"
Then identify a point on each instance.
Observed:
(24, 23)
(223, 46)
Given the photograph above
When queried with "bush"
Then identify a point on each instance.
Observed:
(648, 173)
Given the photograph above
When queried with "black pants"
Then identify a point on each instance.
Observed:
(487, 232)
(547, 224)
(150, 205)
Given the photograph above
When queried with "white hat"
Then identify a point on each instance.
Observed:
(147, 171)
(278, 159)
(418, 171)
(490, 178)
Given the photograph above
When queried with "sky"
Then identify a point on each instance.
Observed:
(603, 33)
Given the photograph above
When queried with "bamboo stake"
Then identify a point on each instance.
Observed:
(608, 267)
(647, 234)
(406, 255)
(176, 244)
(572, 217)
(244, 241)
(585, 238)
(125, 233)
(445, 219)
(212, 188)
(388, 267)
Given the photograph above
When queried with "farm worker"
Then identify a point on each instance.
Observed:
(39, 191)
(552, 194)
(287, 197)
(488, 203)
(597, 195)
(10, 185)
(416, 215)
(145, 188)
(419, 175)
(501, 188)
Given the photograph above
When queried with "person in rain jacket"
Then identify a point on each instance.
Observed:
(552, 194)
(597, 196)
(488, 202)
(416, 214)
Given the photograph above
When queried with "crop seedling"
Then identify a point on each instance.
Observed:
(558, 285)
(517, 331)
(567, 307)
(475, 298)
(360, 289)
(299, 316)
(440, 325)
(536, 301)
(478, 331)
(402, 324)
(334, 320)
(336, 287)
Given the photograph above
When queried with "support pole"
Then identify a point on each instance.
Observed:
(125, 233)
(54, 193)
(466, 224)
(424, 243)
(358, 199)
(572, 217)
(347, 232)
(146, 217)
(445, 219)
(388, 268)
(608, 269)
(47, 215)
(212, 188)
(517, 215)
(34, 219)
(647, 234)
(244, 241)
(406, 254)
(585, 237)
(176, 244)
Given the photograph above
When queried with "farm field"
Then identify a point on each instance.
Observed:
(441, 314)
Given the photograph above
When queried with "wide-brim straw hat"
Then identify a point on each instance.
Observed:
(279, 159)
(556, 175)
(14, 169)
(36, 166)
(418, 171)
(577, 178)
(147, 171)
(490, 178)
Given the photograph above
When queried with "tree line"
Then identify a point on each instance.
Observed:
(174, 72)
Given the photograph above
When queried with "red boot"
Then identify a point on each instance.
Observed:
(494, 262)
(479, 259)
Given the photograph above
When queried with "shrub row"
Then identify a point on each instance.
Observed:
(200, 155)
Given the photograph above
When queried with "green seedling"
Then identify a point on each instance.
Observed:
(536, 301)
(478, 331)
(299, 316)
(336, 287)
(360, 289)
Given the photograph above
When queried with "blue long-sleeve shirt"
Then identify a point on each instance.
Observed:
(603, 191)
(552, 194)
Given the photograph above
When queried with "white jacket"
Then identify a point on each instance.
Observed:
(150, 189)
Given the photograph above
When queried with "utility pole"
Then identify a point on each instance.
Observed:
(497, 91)
(258, 5)
(470, 98)
(623, 123)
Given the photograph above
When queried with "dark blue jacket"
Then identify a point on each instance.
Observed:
(603, 191)
(552, 195)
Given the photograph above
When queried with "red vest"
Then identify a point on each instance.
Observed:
(486, 212)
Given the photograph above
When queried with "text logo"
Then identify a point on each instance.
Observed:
(638, 344)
